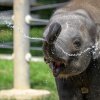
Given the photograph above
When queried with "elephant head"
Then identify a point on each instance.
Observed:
(70, 42)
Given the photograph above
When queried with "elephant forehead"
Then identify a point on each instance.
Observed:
(68, 19)
(69, 32)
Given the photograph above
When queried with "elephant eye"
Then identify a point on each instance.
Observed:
(77, 43)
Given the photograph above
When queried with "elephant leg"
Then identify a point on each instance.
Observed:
(67, 90)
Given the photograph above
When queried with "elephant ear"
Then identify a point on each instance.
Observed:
(96, 53)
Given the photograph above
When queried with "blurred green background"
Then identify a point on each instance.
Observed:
(40, 74)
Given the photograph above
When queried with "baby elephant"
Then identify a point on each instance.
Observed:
(71, 48)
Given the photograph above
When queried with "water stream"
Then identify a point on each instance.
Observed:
(7, 21)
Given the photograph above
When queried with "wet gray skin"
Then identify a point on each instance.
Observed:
(69, 38)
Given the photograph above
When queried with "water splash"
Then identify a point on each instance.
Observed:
(33, 38)
(6, 18)
(8, 23)
(72, 55)
(95, 47)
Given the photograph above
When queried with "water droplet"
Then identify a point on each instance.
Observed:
(69, 54)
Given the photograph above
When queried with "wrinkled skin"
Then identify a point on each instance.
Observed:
(70, 42)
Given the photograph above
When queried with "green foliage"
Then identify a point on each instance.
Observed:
(36, 31)
(6, 34)
(6, 74)
(40, 77)
(50, 1)
(6, 51)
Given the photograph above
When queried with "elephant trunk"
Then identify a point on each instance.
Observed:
(54, 31)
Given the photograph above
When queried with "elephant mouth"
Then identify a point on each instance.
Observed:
(57, 67)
